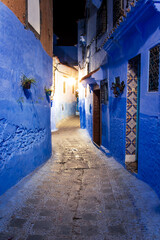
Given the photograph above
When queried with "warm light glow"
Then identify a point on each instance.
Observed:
(80, 75)
(71, 81)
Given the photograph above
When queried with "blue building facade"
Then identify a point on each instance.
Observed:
(127, 78)
(25, 133)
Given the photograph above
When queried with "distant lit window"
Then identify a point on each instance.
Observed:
(154, 68)
(85, 92)
(34, 14)
(72, 89)
(102, 18)
(118, 7)
(64, 87)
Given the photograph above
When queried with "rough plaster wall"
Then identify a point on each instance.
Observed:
(15, 139)
(25, 136)
(149, 152)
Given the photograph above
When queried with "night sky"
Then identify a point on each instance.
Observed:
(65, 16)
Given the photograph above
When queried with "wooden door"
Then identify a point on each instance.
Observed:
(96, 117)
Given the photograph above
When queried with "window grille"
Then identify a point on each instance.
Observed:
(102, 18)
(118, 7)
(104, 91)
(154, 68)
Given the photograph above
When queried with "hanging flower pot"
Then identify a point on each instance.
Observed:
(27, 82)
(48, 91)
(27, 85)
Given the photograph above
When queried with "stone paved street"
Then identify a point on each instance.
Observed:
(79, 194)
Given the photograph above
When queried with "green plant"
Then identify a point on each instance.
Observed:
(20, 100)
(48, 91)
(27, 82)
(41, 98)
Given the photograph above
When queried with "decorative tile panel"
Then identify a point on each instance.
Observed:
(131, 116)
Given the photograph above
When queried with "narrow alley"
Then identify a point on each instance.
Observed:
(79, 194)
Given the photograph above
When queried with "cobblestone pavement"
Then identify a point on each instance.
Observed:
(79, 194)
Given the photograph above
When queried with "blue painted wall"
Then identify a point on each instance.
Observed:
(61, 111)
(53, 116)
(116, 115)
(134, 41)
(82, 113)
(25, 135)
(133, 44)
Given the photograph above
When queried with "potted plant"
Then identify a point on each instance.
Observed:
(27, 82)
(48, 91)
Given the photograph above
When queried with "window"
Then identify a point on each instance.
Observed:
(72, 89)
(118, 6)
(102, 18)
(64, 87)
(154, 68)
(104, 91)
(86, 92)
(34, 14)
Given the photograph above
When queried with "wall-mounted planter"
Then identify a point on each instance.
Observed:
(117, 87)
(48, 91)
(27, 82)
